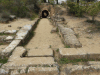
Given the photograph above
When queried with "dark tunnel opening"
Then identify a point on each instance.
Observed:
(45, 14)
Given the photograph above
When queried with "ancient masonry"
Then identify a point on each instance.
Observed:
(43, 63)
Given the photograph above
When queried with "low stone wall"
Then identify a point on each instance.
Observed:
(21, 36)
(83, 69)
(67, 34)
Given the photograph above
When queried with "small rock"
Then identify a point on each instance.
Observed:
(3, 72)
(9, 25)
(0, 64)
(19, 27)
(54, 30)
(9, 38)
(10, 31)
(2, 31)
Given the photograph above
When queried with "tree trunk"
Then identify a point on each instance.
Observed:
(57, 1)
(93, 18)
(44, 1)
(77, 1)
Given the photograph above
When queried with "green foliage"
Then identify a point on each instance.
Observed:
(20, 8)
(67, 46)
(66, 61)
(51, 2)
(76, 9)
(63, 4)
(4, 60)
(93, 9)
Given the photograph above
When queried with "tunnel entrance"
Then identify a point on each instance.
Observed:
(45, 14)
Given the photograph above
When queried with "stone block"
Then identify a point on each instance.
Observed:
(2, 31)
(24, 62)
(17, 53)
(4, 72)
(72, 41)
(54, 30)
(40, 53)
(72, 53)
(10, 31)
(43, 71)
(11, 47)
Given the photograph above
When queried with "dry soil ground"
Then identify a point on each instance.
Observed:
(43, 37)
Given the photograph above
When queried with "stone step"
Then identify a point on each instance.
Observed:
(79, 53)
(24, 62)
(40, 53)
(36, 71)
(82, 70)
(17, 53)
(7, 51)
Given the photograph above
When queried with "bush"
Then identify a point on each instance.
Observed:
(76, 9)
(93, 9)
(20, 8)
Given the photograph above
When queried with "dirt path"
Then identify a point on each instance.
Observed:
(43, 37)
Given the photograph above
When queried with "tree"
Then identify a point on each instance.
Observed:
(93, 10)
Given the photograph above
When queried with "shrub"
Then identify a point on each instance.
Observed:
(20, 8)
(93, 9)
(76, 8)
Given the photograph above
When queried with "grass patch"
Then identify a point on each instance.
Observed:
(6, 34)
(57, 50)
(66, 61)
(89, 37)
(67, 46)
(77, 35)
(4, 60)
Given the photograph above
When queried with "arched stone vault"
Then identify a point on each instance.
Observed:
(48, 7)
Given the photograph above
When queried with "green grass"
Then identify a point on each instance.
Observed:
(77, 35)
(6, 34)
(67, 46)
(89, 37)
(66, 61)
(4, 60)
(57, 50)
(1, 43)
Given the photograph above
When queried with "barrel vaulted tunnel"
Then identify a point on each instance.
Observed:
(45, 14)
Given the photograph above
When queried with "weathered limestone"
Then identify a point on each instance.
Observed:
(21, 71)
(21, 35)
(72, 53)
(72, 41)
(9, 38)
(12, 17)
(17, 53)
(79, 53)
(68, 36)
(10, 48)
(43, 71)
(31, 61)
(94, 62)
(10, 32)
(27, 27)
(2, 31)
(4, 72)
(40, 53)
(82, 70)
(54, 30)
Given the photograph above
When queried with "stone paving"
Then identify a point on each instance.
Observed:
(39, 59)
